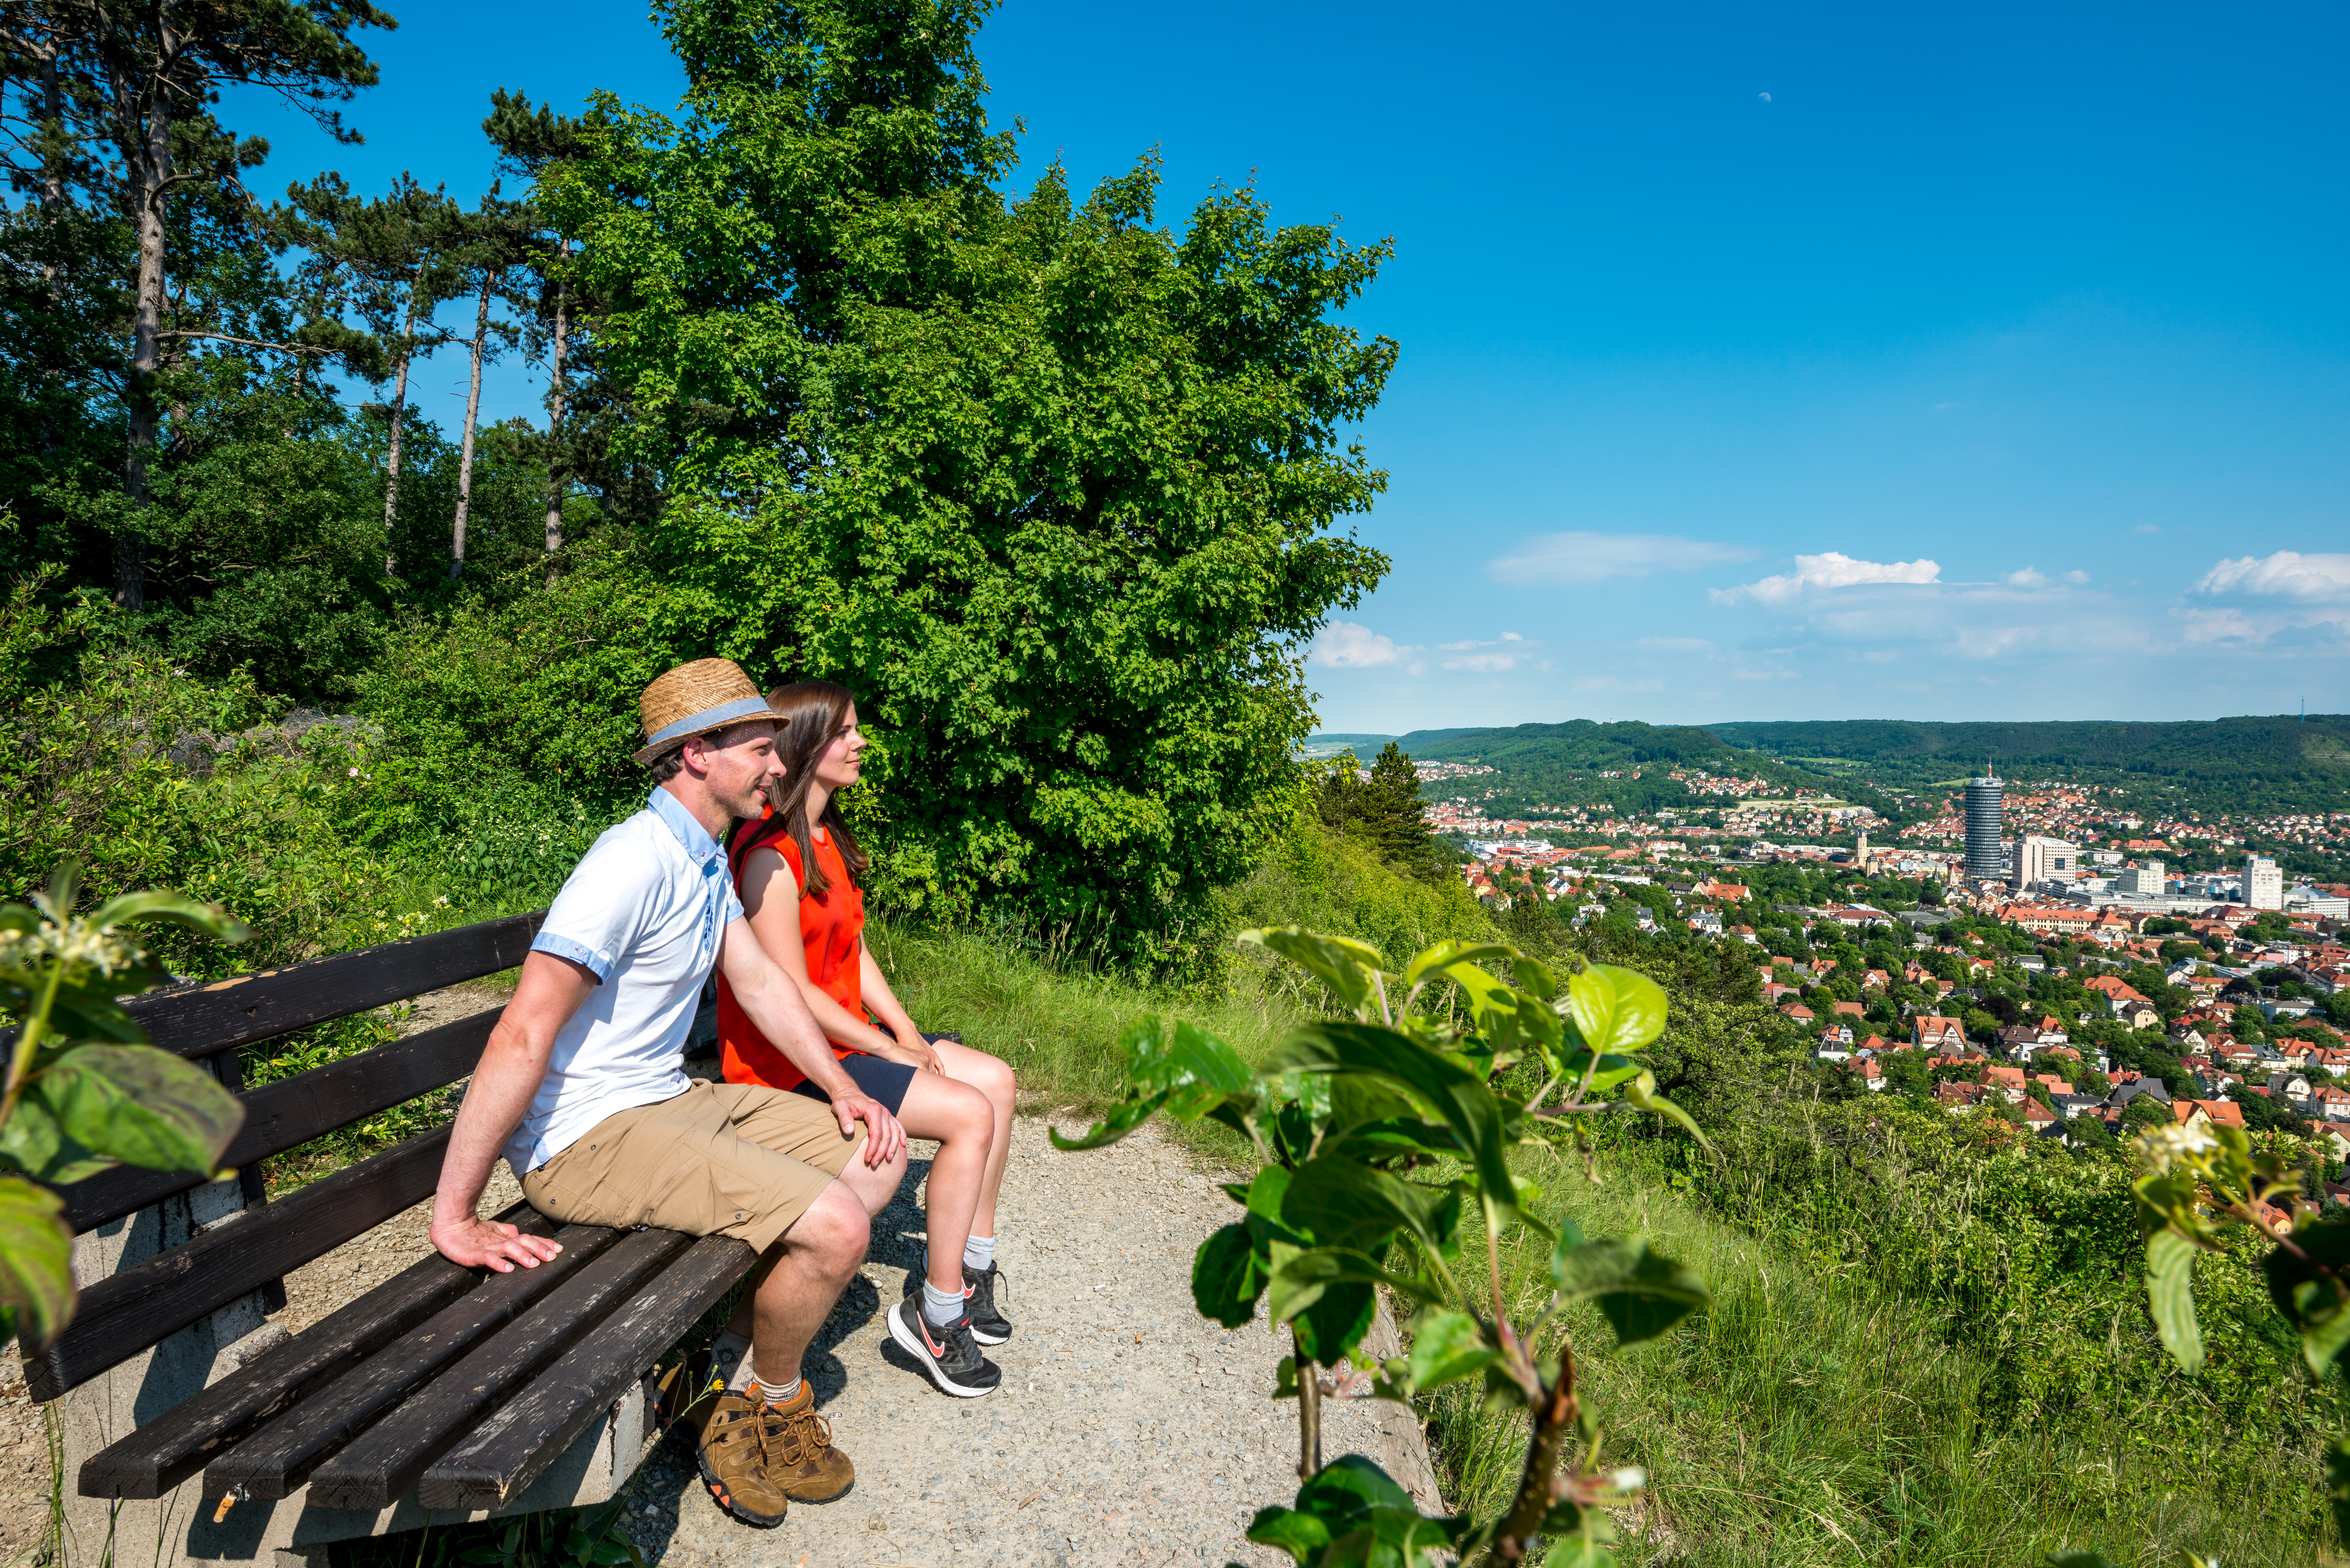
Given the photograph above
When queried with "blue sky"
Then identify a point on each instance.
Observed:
(1796, 362)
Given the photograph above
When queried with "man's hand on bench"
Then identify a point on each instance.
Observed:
(475, 1243)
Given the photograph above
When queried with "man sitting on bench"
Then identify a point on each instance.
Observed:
(583, 1088)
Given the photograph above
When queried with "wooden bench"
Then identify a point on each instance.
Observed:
(197, 1432)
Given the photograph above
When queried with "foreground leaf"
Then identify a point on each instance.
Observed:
(1346, 966)
(1468, 1108)
(1640, 1293)
(2170, 1278)
(1615, 1009)
(1447, 1346)
(35, 1262)
(141, 1106)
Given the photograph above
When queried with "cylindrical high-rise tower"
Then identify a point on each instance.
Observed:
(1982, 828)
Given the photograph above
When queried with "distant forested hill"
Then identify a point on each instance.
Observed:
(2203, 749)
(1560, 764)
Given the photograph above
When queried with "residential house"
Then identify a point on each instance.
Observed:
(1798, 1011)
(2215, 1113)
(1930, 1034)
(1850, 1009)
(2007, 1080)
(1958, 1098)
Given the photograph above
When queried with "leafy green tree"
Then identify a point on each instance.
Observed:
(1052, 487)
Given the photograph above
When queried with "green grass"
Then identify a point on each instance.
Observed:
(1808, 1420)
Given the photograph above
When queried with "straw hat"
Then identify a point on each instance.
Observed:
(695, 699)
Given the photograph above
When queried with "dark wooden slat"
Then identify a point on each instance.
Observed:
(175, 1446)
(276, 1460)
(509, 1450)
(381, 1464)
(144, 1306)
(291, 1112)
(199, 1020)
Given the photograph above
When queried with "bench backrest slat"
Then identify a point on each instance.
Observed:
(203, 1020)
(291, 1112)
(146, 1304)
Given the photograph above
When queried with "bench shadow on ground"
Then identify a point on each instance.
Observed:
(669, 1475)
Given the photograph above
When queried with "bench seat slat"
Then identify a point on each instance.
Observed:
(291, 1112)
(276, 1460)
(508, 1452)
(221, 1015)
(169, 1448)
(377, 1467)
(146, 1304)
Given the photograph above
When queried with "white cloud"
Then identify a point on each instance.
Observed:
(1485, 663)
(1827, 572)
(1580, 558)
(2145, 528)
(2288, 573)
(2029, 577)
(2077, 576)
(1344, 645)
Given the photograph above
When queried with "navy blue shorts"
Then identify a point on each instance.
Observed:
(878, 1076)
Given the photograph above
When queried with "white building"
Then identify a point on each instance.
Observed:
(2037, 860)
(2145, 879)
(2263, 883)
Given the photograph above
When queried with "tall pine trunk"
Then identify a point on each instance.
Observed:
(473, 412)
(398, 413)
(149, 171)
(555, 421)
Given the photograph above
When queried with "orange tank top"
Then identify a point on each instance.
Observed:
(832, 928)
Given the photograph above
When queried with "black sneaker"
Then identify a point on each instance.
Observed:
(988, 1324)
(948, 1355)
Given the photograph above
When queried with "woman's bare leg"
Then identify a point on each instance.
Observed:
(992, 1076)
(959, 1118)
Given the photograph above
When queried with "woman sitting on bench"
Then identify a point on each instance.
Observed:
(797, 870)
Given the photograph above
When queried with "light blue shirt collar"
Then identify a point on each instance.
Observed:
(698, 847)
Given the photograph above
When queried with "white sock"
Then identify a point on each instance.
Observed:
(729, 1361)
(979, 1253)
(778, 1393)
(939, 1307)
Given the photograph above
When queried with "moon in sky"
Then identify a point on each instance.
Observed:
(1763, 96)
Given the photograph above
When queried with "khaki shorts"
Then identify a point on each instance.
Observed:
(720, 1159)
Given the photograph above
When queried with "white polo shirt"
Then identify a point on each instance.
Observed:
(643, 911)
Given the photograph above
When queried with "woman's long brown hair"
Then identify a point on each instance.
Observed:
(815, 713)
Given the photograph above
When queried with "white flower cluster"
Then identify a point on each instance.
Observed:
(2162, 1148)
(75, 945)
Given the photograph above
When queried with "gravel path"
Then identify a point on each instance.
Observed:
(1128, 1429)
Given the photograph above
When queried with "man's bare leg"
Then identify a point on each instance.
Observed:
(795, 1286)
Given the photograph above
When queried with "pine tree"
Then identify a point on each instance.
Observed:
(125, 120)
(528, 141)
(404, 248)
(497, 235)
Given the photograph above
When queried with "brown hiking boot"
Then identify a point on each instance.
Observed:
(732, 1443)
(800, 1455)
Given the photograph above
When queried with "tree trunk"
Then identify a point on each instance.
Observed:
(149, 169)
(555, 485)
(465, 455)
(399, 412)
